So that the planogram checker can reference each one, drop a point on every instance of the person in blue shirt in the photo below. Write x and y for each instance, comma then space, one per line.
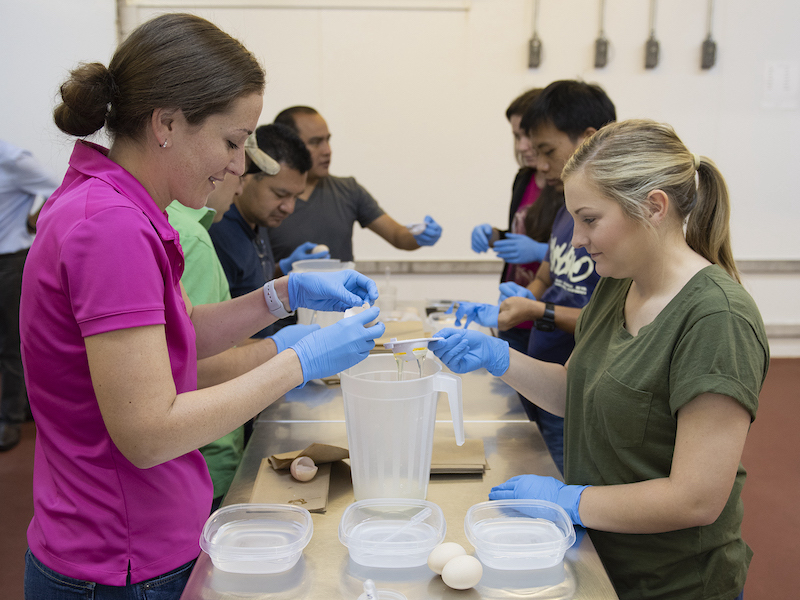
561, 117
22, 181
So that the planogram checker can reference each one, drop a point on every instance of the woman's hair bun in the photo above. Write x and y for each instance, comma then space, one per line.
85, 97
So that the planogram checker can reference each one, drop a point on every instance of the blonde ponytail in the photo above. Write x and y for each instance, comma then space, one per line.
708, 228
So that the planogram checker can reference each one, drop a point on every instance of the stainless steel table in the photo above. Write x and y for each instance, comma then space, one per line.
325, 571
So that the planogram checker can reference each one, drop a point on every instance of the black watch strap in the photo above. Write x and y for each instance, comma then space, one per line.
547, 322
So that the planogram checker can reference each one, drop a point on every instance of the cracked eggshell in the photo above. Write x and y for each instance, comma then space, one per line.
303, 468
320, 248
462, 572
440, 555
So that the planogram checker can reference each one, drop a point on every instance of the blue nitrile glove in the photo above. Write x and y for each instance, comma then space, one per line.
480, 237
339, 346
521, 487
519, 249
334, 291
432, 233
482, 314
510, 289
465, 350
290, 334
302, 252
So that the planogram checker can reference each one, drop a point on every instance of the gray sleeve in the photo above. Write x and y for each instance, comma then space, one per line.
366, 207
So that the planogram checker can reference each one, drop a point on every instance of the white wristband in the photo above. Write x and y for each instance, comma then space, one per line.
274, 303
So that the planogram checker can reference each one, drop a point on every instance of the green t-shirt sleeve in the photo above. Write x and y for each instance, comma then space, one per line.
203, 276
720, 354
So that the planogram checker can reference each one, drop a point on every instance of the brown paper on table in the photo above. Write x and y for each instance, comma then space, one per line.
449, 458
279, 487
319, 453
275, 484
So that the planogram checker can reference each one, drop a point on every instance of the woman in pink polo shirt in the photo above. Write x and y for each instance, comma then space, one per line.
111, 344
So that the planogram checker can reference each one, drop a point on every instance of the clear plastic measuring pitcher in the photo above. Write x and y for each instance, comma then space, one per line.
390, 425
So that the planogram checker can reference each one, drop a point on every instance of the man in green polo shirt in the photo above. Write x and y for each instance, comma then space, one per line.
205, 283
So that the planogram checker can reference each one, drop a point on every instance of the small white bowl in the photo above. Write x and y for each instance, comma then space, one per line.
256, 538
371, 531
516, 535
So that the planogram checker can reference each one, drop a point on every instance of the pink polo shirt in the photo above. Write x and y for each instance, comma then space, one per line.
104, 258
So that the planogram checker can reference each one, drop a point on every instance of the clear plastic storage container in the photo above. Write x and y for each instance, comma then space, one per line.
392, 532
519, 534
257, 538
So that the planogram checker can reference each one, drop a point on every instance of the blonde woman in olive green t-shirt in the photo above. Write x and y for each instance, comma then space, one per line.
662, 386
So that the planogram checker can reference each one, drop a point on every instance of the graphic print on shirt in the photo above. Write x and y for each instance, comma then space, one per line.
568, 270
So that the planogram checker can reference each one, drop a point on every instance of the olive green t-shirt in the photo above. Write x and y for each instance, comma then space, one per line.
623, 396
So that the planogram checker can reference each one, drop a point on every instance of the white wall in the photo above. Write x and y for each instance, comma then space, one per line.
416, 99
40, 42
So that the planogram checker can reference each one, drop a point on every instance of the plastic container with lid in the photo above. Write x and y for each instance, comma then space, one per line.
256, 538
392, 532
519, 534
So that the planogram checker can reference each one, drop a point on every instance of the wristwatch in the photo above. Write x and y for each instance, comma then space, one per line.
274, 303
547, 322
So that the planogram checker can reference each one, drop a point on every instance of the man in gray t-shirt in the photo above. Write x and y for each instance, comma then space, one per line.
329, 206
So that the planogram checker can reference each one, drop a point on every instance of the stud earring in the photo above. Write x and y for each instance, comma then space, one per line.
164, 145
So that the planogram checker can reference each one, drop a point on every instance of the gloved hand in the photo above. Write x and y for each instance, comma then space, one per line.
432, 233
509, 289
332, 291
302, 252
519, 249
482, 314
339, 346
465, 350
480, 237
290, 334
520, 487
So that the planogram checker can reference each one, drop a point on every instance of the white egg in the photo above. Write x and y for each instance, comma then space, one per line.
440, 555
320, 248
462, 572
303, 468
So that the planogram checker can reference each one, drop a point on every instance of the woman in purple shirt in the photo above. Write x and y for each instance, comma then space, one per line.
111, 343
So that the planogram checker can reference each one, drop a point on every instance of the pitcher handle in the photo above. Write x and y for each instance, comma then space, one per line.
451, 385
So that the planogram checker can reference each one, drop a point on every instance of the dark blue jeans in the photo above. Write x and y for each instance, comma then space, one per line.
42, 583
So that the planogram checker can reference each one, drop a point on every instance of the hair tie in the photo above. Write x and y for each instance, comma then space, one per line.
696, 159
113, 91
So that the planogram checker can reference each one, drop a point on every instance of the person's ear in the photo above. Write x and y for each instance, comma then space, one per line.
161, 124
657, 205
587, 133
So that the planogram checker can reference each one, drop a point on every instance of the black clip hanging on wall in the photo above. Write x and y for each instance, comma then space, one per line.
651, 48
708, 52
535, 44
601, 43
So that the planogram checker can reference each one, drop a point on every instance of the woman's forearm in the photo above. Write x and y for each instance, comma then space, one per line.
234, 362
222, 326
544, 384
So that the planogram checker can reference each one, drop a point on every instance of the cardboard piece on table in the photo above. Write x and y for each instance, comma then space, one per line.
449, 458
279, 487
319, 453
402, 330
